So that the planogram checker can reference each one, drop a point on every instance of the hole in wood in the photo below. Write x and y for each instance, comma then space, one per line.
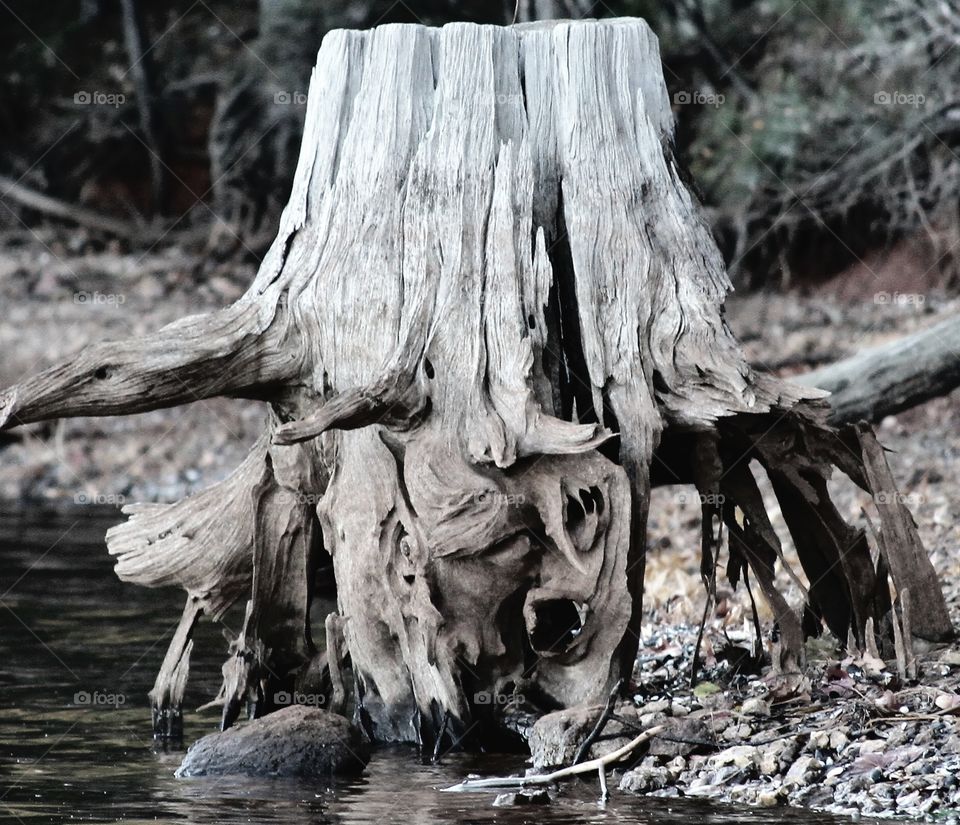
583, 511
576, 513
592, 500
557, 625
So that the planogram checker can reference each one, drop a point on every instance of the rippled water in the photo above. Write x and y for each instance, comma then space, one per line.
78, 653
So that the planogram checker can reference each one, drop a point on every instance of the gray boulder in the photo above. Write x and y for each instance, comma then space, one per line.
295, 741
555, 737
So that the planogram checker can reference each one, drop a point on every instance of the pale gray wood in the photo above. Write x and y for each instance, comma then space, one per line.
491, 304
166, 696
892, 377
899, 542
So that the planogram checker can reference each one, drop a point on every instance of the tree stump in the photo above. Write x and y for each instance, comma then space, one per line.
492, 317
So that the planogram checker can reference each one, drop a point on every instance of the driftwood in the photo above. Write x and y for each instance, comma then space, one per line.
491, 319
901, 549
600, 765
892, 377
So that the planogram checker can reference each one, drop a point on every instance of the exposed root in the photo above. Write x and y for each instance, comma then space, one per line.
243, 350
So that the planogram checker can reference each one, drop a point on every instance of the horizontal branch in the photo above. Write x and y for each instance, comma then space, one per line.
393, 399
892, 377
228, 352
39, 202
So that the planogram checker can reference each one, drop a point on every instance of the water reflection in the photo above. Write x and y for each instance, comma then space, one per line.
78, 653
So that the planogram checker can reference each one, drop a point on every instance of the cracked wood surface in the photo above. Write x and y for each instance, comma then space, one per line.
492, 309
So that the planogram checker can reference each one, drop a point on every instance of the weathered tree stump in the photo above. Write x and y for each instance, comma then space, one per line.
491, 319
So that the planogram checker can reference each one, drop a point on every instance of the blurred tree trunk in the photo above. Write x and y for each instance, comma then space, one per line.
256, 128
530, 10
142, 72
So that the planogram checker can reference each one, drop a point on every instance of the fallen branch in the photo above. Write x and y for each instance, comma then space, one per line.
892, 377
37, 201
599, 764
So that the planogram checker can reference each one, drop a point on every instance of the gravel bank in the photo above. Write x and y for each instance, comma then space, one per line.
848, 736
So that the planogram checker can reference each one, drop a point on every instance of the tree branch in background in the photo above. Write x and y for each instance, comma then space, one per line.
55, 208
892, 377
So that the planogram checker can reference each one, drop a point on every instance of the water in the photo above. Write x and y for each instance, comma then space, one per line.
78, 653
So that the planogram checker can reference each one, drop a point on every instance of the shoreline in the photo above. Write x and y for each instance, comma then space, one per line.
846, 737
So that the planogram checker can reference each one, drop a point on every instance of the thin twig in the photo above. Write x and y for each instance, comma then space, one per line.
562, 773
758, 631
601, 723
708, 573
905, 608
439, 740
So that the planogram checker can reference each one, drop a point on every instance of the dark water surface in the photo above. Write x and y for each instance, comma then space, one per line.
79, 651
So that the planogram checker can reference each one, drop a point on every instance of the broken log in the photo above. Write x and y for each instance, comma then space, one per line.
491, 320
899, 544
892, 377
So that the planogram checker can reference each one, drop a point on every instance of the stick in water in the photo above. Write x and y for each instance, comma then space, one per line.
597, 764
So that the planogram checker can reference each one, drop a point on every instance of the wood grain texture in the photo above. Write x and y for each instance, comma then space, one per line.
491, 308
892, 377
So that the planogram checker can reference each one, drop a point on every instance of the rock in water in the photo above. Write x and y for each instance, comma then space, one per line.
556, 737
531, 797
294, 741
